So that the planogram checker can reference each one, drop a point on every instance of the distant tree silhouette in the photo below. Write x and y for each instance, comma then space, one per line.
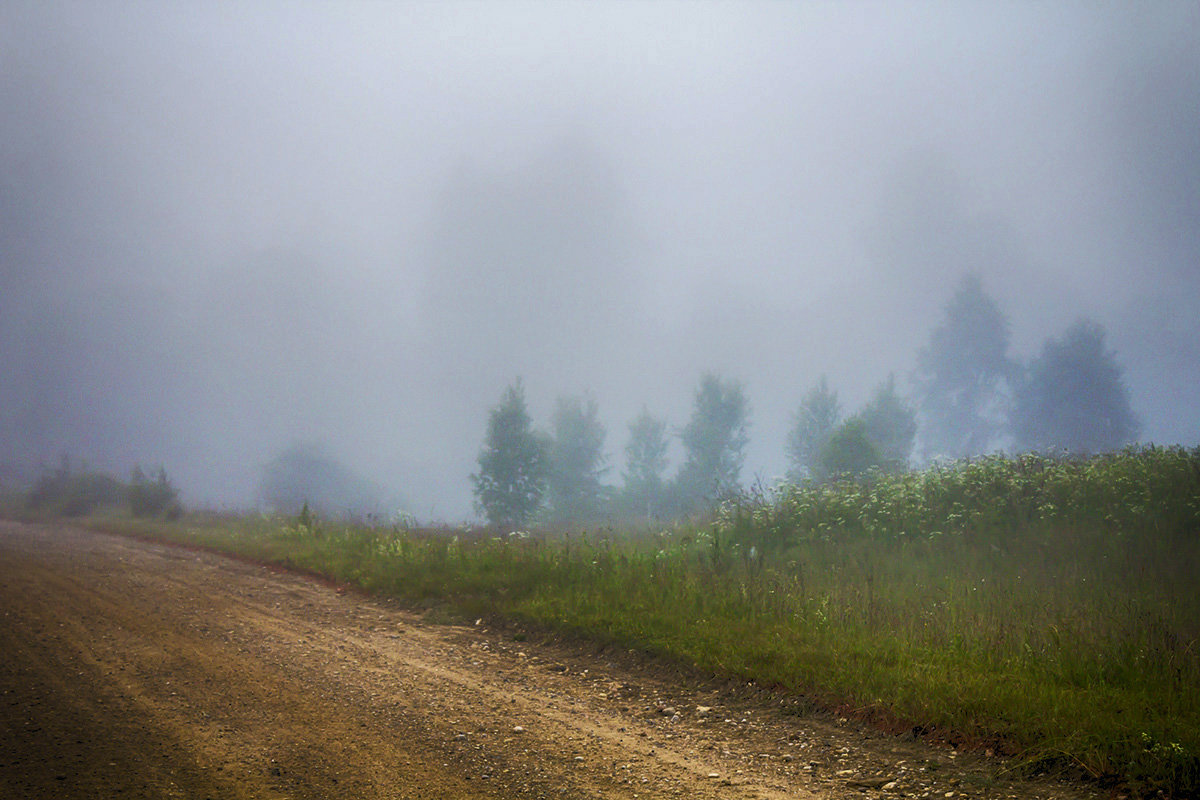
645, 488
815, 421
151, 496
880, 436
1073, 397
510, 486
714, 442
891, 425
964, 375
849, 451
577, 461
307, 473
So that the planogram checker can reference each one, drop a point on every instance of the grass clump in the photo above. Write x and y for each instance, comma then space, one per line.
1047, 608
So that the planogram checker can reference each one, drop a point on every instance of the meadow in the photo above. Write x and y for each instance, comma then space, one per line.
1045, 608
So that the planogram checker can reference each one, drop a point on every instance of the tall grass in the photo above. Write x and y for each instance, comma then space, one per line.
1047, 608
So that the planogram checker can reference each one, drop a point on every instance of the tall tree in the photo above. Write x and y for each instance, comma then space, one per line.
577, 460
645, 464
815, 422
714, 442
1074, 397
964, 375
891, 425
513, 464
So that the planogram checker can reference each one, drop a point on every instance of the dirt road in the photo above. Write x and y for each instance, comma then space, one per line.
132, 670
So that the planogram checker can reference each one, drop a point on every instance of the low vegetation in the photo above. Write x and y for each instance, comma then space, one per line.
1043, 608
77, 491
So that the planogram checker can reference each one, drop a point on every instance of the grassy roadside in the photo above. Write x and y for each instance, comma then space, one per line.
1043, 608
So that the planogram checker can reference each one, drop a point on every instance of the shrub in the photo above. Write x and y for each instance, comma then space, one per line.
74, 494
153, 497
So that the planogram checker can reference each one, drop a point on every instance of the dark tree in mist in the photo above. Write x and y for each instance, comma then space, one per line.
880, 436
714, 442
963, 376
513, 464
150, 496
1073, 397
890, 423
577, 460
645, 465
308, 474
815, 422
849, 451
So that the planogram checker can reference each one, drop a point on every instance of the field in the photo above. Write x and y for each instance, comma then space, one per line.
1041, 608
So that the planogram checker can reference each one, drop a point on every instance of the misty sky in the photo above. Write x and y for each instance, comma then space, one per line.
227, 227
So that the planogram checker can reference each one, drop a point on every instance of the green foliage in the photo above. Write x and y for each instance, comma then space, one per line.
510, 486
714, 442
153, 497
963, 376
880, 436
1150, 487
70, 492
1054, 598
890, 424
1074, 397
73, 493
850, 452
577, 461
644, 492
814, 424
306, 520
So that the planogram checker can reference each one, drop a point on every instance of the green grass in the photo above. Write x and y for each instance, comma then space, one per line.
1049, 609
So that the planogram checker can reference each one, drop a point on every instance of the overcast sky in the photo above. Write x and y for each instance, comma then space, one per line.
226, 227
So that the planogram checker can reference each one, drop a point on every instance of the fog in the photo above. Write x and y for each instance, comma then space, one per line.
229, 227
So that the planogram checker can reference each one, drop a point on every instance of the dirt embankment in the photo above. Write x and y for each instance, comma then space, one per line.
132, 670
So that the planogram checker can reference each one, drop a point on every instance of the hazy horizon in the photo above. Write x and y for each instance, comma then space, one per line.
228, 228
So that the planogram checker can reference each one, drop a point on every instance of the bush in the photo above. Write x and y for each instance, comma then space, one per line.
152, 498
1137, 489
74, 494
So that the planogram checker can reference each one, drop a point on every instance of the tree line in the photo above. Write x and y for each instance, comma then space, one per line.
526, 474
969, 397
